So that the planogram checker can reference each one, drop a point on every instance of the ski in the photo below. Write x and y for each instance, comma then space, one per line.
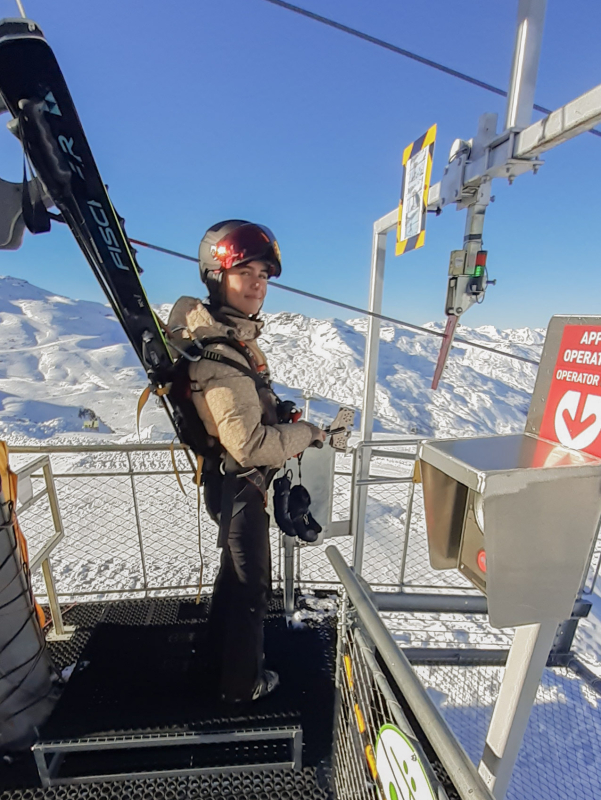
35, 92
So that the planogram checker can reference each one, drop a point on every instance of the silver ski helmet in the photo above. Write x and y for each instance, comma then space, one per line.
232, 243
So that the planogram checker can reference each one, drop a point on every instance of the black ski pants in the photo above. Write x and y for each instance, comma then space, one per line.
242, 589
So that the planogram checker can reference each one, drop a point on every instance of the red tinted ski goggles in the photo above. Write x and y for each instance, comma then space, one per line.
249, 243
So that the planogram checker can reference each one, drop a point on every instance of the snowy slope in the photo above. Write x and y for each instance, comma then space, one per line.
58, 356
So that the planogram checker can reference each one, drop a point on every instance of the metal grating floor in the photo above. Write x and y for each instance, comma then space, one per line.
309, 784
99, 624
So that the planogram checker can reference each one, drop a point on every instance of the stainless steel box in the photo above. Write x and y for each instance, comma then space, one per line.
517, 515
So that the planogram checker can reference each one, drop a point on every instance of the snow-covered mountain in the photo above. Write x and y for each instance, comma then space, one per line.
64, 362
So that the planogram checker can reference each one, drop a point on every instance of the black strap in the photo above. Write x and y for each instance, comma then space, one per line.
199, 348
208, 355
236, 344
35, 215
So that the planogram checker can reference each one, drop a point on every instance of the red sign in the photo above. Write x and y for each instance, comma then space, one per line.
573, 410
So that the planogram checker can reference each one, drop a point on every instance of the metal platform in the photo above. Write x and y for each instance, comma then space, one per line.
139, 712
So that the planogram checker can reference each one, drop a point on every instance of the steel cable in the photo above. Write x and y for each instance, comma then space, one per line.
357, 309
402, 52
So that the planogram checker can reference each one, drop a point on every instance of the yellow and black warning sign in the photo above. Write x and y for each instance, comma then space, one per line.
417, 170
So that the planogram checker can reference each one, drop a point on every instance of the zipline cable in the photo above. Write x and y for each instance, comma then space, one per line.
402, 52
349, 307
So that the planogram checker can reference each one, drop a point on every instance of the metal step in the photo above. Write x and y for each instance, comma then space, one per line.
167, 755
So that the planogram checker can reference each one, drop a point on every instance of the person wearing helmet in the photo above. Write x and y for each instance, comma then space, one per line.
232, 394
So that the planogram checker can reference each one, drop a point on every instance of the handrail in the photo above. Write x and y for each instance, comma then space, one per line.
96, 448
41, 559
455, 760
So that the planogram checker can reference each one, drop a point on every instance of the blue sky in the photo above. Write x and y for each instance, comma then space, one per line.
199, 111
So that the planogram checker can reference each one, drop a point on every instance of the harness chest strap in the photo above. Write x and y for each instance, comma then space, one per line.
208, 355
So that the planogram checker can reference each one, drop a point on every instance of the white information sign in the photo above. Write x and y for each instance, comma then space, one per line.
413, 196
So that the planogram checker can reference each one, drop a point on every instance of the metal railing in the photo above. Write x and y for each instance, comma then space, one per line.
129, 530
351, 780
42, 544
387, 521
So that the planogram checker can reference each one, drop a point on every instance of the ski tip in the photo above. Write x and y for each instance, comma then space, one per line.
12, 28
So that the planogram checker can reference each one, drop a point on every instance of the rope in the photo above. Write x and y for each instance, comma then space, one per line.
406, 53
349, 307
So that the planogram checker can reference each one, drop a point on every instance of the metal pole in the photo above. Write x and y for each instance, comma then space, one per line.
372, 343
53, 497
288, 576
430, 603
525, 665
307, 410
60, 632
138, 525
474, 224
407, 532
445, 603
370, 371
455, 760
559, 126
55, 610
524, 70
358, 506
21, 9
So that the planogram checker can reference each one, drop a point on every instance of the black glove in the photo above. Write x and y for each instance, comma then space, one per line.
281, 497
305, 526
291, 510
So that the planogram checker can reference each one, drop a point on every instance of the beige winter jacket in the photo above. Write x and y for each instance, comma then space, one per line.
226, 400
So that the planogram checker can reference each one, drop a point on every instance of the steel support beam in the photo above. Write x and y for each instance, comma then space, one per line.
372, 344
455, 656
382, 227
430, 603
447, 603
524, 69
559, 126
525, 665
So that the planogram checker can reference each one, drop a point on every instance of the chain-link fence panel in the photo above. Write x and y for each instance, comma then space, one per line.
385, 533
341, 507
396, 548
170, 533
376, 752
129, 527
314, 569
37, 519
101, 548
561, 752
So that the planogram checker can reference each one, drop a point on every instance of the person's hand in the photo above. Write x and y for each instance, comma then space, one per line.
318, 435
